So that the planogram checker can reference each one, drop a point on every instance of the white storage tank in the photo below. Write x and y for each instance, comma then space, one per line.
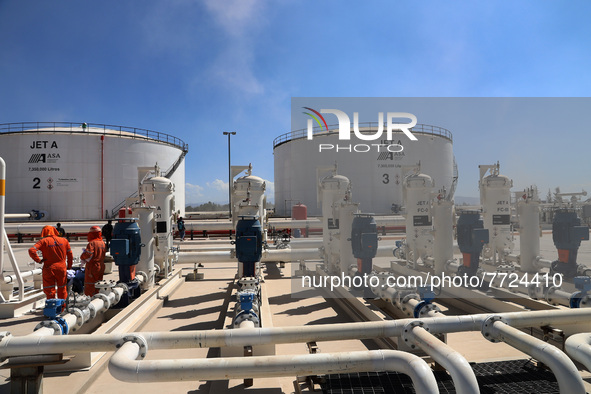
83, 171
375, 172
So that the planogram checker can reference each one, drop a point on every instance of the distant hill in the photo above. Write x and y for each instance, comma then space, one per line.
459, 200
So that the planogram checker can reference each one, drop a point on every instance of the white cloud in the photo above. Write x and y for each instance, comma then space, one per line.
236, 17
270, 190
233, 67
193, 193
218, 185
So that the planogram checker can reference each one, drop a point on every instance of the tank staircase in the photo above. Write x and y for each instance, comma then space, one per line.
169, 173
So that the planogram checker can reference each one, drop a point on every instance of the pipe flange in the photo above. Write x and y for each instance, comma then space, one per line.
407, 334
549, 294
411, 296
79, 318
143, 275
139, 340
532, 291
105, 299
104, 285
487, 328
123, 286
424, 308
92, 311
57, 328
244, 316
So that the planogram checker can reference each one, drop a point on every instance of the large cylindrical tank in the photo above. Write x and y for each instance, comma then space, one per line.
495, 198
159, 193
419, 225
376, 176
77, 171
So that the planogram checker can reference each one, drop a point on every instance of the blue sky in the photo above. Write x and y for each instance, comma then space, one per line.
194, 69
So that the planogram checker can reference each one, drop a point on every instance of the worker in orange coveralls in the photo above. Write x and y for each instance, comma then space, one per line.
94, 259
54, 250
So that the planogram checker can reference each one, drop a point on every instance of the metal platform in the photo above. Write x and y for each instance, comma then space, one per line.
511, 377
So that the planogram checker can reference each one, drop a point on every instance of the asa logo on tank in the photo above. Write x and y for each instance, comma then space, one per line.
44, 157
345, 131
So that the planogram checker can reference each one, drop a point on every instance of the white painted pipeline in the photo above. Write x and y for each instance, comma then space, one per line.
291, 255
565, 371
281, 224
268, 255
26, 345
542, 263
246, 324
206, 257
458, 367
25, 274
123, 366
412, 303
578, 346
35, 228
2, 213
17, 215
97, 305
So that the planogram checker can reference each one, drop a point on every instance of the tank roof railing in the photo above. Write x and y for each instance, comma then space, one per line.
366, 126
97, 128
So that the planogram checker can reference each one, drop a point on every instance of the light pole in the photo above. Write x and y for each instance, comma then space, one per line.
229, 133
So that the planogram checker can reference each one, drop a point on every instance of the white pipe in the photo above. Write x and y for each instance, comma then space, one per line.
458, 367
246, 324
96, 306
268, 255
578, 346
18, 215
26, 274
291, 255
542, 263
25, 345
2, 213
566, 373
123, 366
206, 257
82, 227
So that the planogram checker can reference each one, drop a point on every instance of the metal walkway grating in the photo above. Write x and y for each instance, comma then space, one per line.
510, 377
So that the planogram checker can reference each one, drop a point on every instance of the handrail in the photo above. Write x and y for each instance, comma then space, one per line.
366, 126
85, 128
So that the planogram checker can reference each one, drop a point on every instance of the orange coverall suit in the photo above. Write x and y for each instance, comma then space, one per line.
55, 250
94, 255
